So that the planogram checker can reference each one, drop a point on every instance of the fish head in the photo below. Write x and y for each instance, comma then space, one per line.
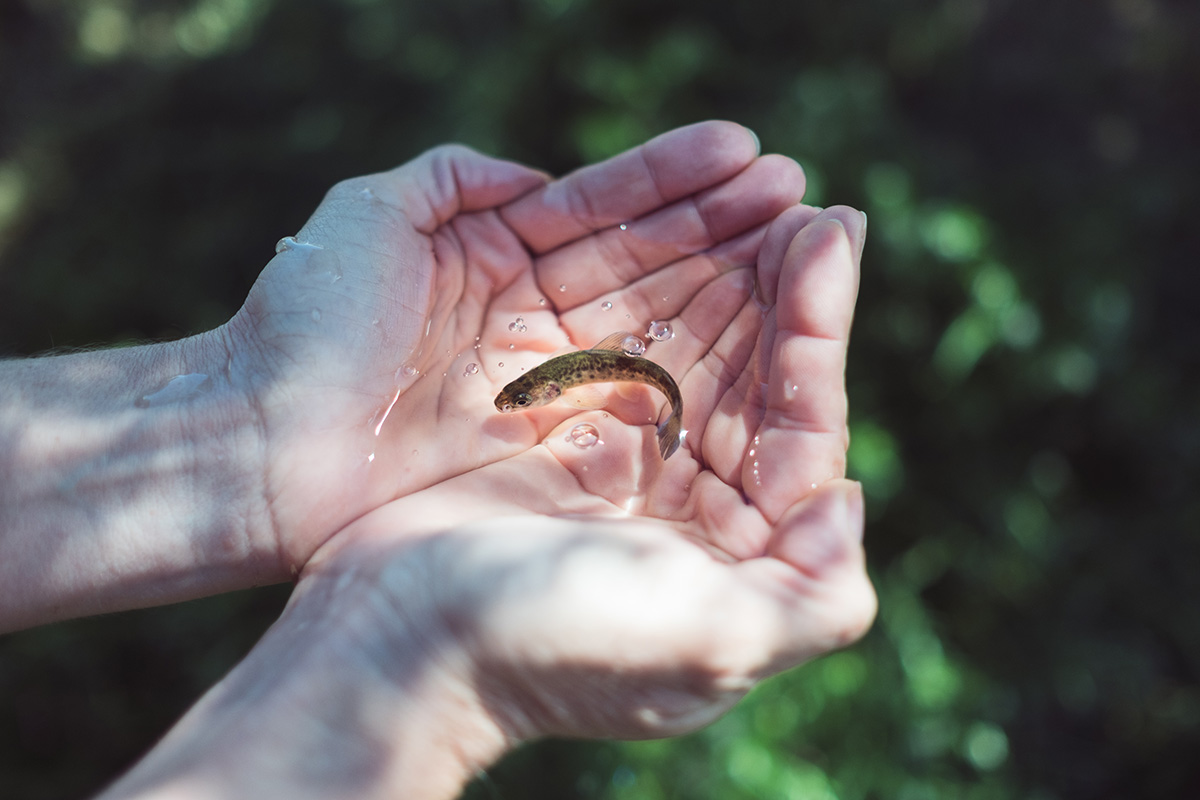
520, 395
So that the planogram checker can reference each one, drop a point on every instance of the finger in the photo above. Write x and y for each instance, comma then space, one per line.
778, 238
434, 187
813, 578
802, 441
664, 294
630, 185
620, 256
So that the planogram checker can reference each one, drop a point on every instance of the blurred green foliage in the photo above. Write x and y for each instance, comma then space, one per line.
1024, 370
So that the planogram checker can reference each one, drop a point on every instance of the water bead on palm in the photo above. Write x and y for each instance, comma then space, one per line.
584, 435
660, 330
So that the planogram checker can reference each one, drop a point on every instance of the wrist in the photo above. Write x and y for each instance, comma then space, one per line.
348, 695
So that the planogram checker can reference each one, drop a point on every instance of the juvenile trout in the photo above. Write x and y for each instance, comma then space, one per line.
603, 363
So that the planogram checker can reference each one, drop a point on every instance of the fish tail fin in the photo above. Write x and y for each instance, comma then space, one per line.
668, 435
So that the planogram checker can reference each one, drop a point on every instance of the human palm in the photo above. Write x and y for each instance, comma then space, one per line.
357, 353
758, 351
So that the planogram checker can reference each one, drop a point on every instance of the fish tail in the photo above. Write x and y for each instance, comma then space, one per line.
668, 434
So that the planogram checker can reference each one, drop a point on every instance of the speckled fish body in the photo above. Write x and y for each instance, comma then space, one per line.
603, 364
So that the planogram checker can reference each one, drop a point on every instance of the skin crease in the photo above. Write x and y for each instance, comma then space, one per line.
467, 580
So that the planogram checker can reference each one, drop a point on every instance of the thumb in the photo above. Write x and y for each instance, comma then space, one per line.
821, 535
814, 568
452, 179
426, 192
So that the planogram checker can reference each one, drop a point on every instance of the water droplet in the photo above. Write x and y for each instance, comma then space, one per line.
666, 297
512, 346
606, 306
562, 287
471, 369
367, 194
370, 458
660, 330
316, 315
408, 370
517, 325
388, 411
633, 346
500, 363
292, 243
584, 435
541, 301
623, 226
181, 387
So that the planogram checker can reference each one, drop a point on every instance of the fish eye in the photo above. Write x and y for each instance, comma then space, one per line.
522, 399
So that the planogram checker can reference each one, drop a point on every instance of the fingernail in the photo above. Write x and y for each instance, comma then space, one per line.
840, 224
855, 507
757, 142
760, 298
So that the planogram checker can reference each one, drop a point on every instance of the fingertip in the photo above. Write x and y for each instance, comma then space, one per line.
720, 134
853, 222
757, 141
780, 233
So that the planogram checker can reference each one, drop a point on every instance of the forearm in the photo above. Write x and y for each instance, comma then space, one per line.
112, 497
330, 704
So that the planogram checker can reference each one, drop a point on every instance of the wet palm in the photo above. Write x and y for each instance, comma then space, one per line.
423, 270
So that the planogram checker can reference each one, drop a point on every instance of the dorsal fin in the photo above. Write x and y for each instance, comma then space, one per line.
614, 341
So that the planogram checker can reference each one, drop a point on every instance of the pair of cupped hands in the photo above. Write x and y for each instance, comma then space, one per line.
597, 591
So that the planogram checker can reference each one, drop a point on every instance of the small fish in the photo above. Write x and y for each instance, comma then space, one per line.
603, 363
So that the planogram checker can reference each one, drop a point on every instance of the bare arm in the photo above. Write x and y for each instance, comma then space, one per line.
109, 501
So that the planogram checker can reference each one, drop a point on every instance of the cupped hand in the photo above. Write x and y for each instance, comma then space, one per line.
598, 591
597, 628
373, 343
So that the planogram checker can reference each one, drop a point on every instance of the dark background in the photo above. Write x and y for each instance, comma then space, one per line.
1023, 379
